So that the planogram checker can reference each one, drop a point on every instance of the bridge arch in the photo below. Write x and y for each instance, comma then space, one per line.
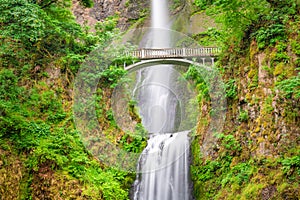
168, 61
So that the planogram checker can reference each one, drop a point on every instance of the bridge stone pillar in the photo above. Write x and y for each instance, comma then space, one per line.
143, 53
212, 61
203, 61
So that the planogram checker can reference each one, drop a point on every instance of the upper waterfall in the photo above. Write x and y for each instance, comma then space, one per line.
157, 101
159, 23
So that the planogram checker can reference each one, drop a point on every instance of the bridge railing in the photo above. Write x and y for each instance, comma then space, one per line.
174, 52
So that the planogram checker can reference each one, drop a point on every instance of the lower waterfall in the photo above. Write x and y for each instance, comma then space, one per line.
165, 166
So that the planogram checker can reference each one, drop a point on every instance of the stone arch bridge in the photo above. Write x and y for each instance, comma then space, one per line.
179, 56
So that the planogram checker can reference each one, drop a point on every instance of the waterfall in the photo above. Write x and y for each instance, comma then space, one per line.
163, 168
164, 164
157, 111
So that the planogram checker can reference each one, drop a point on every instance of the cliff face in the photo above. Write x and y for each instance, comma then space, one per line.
131, 11
128, 11
272, 124
256, 156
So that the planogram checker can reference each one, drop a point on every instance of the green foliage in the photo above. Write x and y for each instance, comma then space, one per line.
230, 144
34, 122
272, 29
133, 143
244, 116
231, 89
235, 15
106, 28
31, 24
291, 165
110, 117
286, 7
207, 171
296, 47
111, 76
265, 20
272, 26
22, 21
29, 136
267, 106
210, 37
270, 35
140, 130
194, 74
11, 114
230, 177
106, 182
290, 87
203, 4
210, 176
238, 174
62, 150
9, 89
35, 34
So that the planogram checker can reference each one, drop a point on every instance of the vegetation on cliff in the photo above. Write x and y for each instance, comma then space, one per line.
42, 155
257, 155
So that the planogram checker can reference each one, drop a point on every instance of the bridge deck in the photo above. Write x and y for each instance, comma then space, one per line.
174, 53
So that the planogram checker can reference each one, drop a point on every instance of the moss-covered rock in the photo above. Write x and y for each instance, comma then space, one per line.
262, 120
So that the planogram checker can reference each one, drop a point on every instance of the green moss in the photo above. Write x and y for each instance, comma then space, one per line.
252, 73
252, 191
248, 97
279, 69
253, 78
267, 106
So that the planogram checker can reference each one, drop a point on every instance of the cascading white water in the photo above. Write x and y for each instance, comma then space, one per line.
164, 164
157, 111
